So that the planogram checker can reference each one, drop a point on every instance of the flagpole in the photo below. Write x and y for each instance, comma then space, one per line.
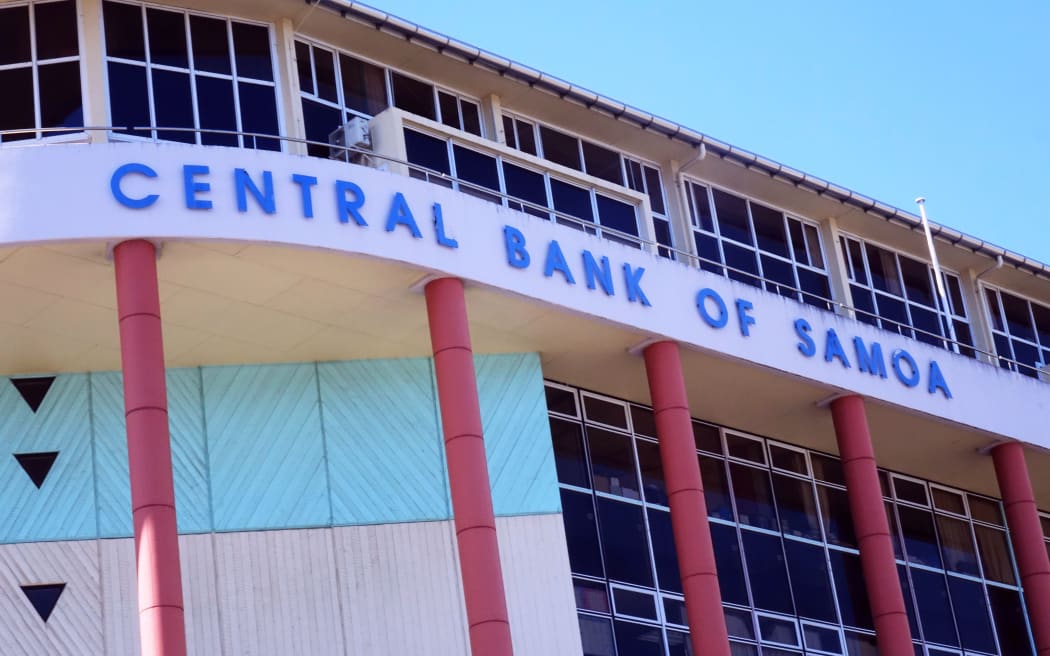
938, 276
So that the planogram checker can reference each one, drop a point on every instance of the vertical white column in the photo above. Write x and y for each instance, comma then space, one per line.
93, 68
836, 263
292, 124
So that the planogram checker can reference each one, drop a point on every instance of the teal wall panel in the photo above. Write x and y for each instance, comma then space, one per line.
63, 508
188, 453
265, 447
517, 434
385, 452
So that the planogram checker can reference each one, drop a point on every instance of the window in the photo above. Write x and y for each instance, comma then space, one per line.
758, 245
444, 162
1021, 330
789, 570
198, 78
898, 293
39, 70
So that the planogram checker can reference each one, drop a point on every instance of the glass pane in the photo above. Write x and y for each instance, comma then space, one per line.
427, 151
767, 572
124, 36
1010, 621
858, 273
642, 421
1042, 323
708, 253
216, 111
591, 595
638, 640
702, 208
508, 132
654, 188
716, 488
822, 638
909, 599
581, 533
859, 644
816, 256
413, 96
745, 448
957, 548
560, 400
573, 201
211, 46
810, 582
324, 67
742, 264
838, 521
789, 459
174, 105
850, 589
637, 604
624, 543
908, 490
971, 615
251, 47
732, 216
753, 495
305, 68
815, 287
597, 636
602, 162
674, 611
707, 437
678, 644
605, 412
618, 215
664, 550
364, 86
985, 510
919, 537
935, 613
449, 109
167, 38
320, 120
560, 148
994, 551
526, 137
796, 506
60, 37
917, 281
476, 168
526, 185
739, 623
827, 469
1018, 322
471, 117
17, 112
883, 267
948, 500
652, 472
612, 463
780, 276
60, 104
569, 458
769, 229
128, 97
775, 629
258, 114
730, 570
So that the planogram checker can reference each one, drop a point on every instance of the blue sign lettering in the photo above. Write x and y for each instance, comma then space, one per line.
118, 193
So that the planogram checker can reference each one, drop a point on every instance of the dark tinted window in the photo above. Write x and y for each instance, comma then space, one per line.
664, 550
251, 45
810, 582
128, 83
850, 589
211, 46
569, 459
727, 559
413, 96
602, 162
174, 104
60, 104
732, 216
935, 612
426, 151
124, 37
767, 572
258, 115
624, 543
216, 109
59, 39
581, 533
16, 112
167, 38
364, 86
560, 148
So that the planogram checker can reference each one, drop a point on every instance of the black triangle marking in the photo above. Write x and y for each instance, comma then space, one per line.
43, 597
37, 465
33, 390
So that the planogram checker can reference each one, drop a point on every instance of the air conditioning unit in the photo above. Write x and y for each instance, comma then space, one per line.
353, 134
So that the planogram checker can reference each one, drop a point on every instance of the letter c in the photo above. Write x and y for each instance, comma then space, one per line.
124, 199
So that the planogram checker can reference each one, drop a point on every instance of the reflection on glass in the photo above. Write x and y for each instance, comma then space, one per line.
754, 498
935, 612
767, 572
920, 539
612, 463
796, 506
624, 542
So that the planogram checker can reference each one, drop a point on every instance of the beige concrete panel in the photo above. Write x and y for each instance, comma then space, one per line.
224, 275
75, 625
278, 593
61, 275
538, 580
400, 589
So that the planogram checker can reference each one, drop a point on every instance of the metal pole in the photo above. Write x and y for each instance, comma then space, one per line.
938, 276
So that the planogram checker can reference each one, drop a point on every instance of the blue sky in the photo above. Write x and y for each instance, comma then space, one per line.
893, 99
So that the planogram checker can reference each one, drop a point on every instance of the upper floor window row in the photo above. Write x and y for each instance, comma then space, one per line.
593, 159
898, 293
39, 69
208, 78
530, 191
758, 245
335, 87
1021, 331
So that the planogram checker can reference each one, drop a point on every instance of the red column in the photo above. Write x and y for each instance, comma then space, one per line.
468, 473
692, 536
1026, 533
872, 527
161, 624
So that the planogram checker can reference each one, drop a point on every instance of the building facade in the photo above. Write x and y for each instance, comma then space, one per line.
324, 333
